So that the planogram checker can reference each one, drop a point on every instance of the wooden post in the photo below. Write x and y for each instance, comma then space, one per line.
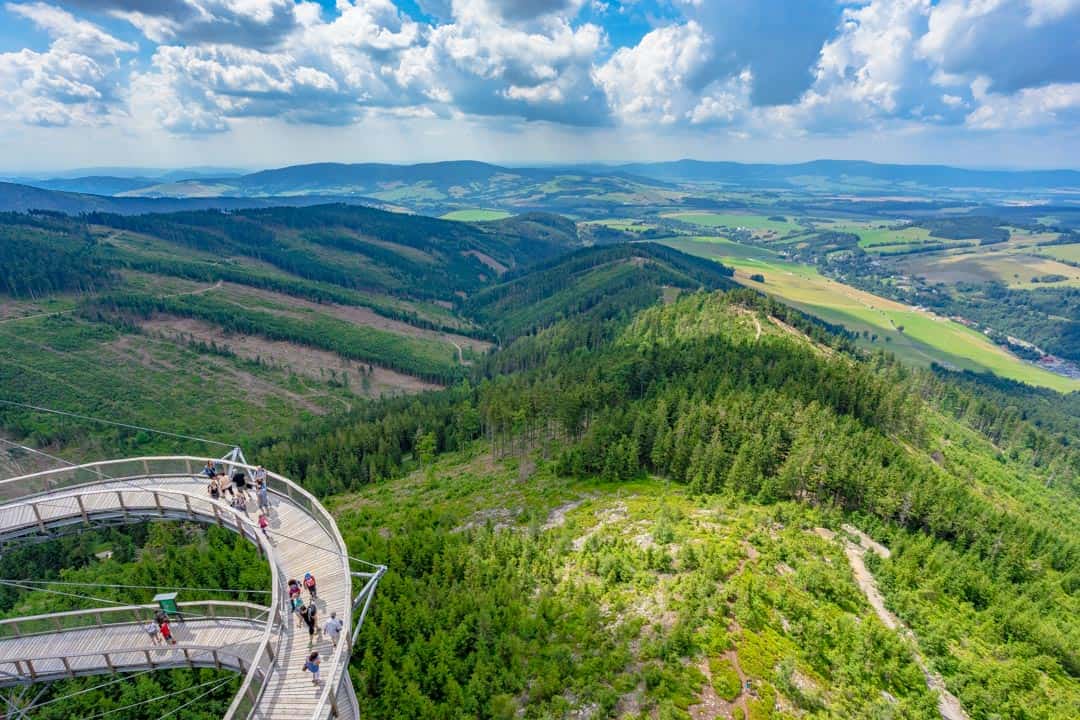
217, 661
30, 667
149, 660
217, 515
157, 502
37, 514
82, 510
108, 661
187, 503
187, 656
120, 499
67, 666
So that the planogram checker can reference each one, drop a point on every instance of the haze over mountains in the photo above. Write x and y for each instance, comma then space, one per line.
442, 186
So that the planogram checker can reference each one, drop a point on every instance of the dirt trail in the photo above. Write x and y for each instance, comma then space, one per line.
948, 705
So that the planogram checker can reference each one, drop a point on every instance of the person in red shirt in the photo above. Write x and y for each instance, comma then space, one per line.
166, 632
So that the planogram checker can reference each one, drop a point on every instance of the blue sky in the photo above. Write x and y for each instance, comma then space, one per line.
260, 83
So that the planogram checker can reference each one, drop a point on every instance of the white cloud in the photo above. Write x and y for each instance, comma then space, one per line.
656, 81
75, 81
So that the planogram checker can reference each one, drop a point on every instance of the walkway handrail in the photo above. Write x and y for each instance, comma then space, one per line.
186, 654
49, 481
136, 614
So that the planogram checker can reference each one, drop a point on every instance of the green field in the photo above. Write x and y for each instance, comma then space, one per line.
476, 215
719, 247
757, 223
1069, 253
925, 338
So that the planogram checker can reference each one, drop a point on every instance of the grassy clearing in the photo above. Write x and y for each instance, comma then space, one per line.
476, 215
757, 223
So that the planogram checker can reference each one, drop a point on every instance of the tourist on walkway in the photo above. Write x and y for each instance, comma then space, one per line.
312, 666
151, 629
298, 608
333, 628
166, 632
309, 618
263, 493
309, 583
264, 524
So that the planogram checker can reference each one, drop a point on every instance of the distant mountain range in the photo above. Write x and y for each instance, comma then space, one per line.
435, 188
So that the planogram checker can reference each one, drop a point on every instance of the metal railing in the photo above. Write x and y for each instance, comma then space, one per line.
126, 659
126, 615
27, 488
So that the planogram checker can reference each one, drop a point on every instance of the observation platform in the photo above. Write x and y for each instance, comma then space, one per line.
262, 643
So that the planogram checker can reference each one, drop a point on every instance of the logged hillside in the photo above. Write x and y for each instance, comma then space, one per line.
278, 315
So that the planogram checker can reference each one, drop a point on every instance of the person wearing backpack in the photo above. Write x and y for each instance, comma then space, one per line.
312, 666
309, 614
309, 583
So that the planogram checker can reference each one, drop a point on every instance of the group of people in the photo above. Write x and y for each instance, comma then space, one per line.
159, 630
236, 490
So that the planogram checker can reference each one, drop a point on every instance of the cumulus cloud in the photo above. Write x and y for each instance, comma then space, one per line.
778, 41
758, 66
657, 80
253, 23
1015, 44
74, 81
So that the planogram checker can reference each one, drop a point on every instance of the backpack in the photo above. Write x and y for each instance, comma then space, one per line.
309, 581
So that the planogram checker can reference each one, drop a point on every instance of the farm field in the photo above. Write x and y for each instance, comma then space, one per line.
1071, 253
1015, 269
476, 215
756, 223
719, 247
925, 338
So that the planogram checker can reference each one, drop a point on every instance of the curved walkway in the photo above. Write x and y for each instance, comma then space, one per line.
92, 642
303, 538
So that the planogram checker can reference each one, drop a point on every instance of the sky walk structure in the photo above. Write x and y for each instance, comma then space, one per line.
264, 644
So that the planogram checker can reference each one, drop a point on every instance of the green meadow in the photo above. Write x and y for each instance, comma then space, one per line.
476, 215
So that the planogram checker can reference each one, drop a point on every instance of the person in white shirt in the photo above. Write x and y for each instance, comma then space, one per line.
333, 628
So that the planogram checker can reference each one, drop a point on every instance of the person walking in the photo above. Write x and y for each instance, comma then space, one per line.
151, 629
166, 633
333, 628
264, 524
309, 583
298, 608
263, 494
309, 614
312, 666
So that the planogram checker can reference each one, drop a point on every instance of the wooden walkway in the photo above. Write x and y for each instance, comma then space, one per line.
302, 538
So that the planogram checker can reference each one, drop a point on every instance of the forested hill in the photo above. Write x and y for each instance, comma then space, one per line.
741, 403
323, 247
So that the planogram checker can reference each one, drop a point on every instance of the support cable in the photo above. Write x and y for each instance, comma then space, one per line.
65, 413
